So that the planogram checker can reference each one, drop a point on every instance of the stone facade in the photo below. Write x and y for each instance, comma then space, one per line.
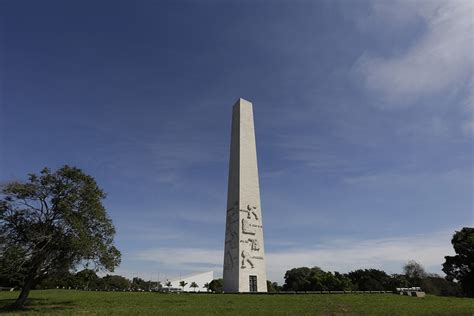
244, 256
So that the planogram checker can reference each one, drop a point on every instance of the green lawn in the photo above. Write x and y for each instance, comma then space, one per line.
114, 303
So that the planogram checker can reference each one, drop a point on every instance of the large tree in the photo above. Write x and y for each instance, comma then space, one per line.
54, 222
461, 266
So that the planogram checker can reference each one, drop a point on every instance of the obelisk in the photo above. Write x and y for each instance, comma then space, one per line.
244, 256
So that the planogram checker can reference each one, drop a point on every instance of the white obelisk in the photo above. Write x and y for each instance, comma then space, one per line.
244, 256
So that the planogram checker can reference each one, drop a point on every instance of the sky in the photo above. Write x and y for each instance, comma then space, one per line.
364, 118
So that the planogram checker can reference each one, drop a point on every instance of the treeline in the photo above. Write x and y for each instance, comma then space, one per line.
316, 279
87, 280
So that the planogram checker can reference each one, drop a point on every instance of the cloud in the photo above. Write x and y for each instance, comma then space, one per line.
344, 255
341, 255
439, 61
468, 124
182, 258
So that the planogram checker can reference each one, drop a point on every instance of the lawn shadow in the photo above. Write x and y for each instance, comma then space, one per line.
41, 305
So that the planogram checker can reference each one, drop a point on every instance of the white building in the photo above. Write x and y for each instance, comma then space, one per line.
200, 279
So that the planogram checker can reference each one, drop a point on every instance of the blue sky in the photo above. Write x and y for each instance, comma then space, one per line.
363, 113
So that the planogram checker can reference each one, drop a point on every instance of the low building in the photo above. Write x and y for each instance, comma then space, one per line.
199, 278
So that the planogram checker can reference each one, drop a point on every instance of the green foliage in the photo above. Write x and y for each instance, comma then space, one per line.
115, 282
216, 285
370, 280
142, 285
297, 279
12, 268
315, 279
434, 284
56, 221
58, 280
461, 266
183, 284
87, 279
273, 287
397, 281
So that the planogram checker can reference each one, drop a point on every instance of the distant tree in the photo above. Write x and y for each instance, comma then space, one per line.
168, 284
154, 285
414, 272
206, 286
460, 267
327, 281
436, 285
337, 282
297, 279
194, 285
396, 281
56, 221
273, 287
87, 278
370, 280
315, 279
139, 284
116, 282
182, 284
12, 272
59, 279
216, 285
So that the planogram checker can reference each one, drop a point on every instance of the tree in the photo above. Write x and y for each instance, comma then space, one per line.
154, 285
315, 279
194, 285
182, 284
297, 279
461, 266
168, 284
87, 278
397, 281
414, 272
139, 284
216, 285
115, 282
370, 280
273, 287
55, 221
206, 286
435, 284
11, 271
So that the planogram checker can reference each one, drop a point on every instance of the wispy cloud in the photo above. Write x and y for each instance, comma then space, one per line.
164, 154
341, 255
468, 125
439, 61
182, 258
345, 255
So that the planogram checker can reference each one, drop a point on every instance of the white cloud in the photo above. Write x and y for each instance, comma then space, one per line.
388, 254
468, 125
344, 255
184, 258
439, 61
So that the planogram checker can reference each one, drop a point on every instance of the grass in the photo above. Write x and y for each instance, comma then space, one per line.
70, 302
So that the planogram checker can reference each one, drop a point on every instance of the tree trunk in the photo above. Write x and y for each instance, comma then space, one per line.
25, 291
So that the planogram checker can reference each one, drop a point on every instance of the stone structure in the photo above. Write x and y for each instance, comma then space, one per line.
244, 256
